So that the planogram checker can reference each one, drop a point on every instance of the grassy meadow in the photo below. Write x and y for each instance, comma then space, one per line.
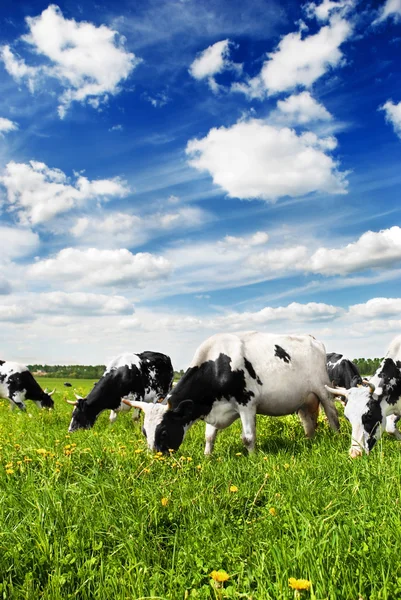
93, 515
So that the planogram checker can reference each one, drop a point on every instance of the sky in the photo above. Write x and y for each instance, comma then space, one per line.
170, 169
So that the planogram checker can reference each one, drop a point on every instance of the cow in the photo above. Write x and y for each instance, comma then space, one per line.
239, 375
146, 376
17, 385
342, 372
376, 406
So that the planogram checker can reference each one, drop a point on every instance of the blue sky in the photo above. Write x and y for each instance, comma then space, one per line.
173, 169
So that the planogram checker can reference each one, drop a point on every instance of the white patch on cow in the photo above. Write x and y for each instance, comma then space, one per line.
9, 368
124, 360
356, 407
223, 413
153, 416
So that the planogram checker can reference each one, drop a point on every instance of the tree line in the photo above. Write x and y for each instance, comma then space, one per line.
76, 371
366, 366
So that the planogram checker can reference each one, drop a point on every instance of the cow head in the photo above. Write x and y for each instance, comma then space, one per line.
46, 400
364, 412
164, 427
81, 418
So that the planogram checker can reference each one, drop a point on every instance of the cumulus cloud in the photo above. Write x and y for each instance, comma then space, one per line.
89, 62
38, 193
17, 242
102, 268
255, 160
376, 308
123, 229
391, 8
324, 10
14, 313
255, 239
299, 61
6, 126
212, 61
280, 259
300, 109
81, 303
393, 114
5, 286
371, 250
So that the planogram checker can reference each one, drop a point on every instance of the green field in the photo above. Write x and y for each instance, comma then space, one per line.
93, 515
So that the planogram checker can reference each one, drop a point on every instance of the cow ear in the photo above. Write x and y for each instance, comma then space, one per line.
184, 410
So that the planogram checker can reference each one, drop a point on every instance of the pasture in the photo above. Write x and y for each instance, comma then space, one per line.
93, 515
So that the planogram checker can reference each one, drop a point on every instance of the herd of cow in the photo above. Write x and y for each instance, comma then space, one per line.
233, 376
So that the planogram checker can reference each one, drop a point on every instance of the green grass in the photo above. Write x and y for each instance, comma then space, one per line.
82, 514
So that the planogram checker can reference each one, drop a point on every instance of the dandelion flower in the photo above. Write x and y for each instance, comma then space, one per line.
41, 451
273, 512
9, 471
164, 501
199, 467
220, 576
233, 488
299, 584
238, 454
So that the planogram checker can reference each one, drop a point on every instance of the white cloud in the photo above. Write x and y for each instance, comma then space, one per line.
302, 108
17, 242
256, 239
81, 303
312, 311
254, 160
5, 286
119, 229
299, 62
393, 114
377, 308
6, 126
280, 259
94, 267
327, 8
89, 62
14, 313
212, 61
371, 250
39, 193
391, 8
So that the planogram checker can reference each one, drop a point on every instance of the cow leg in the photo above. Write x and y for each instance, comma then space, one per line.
308, 414
136, 414
248, 422
330, 409
210, 438
113, 416
18, 400
391, 426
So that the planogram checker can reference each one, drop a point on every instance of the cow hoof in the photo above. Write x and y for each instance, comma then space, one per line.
355, 452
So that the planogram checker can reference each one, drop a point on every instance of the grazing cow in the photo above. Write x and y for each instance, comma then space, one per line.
67, 384
342, 372
238, 376
376, 406
146, 376
17, 385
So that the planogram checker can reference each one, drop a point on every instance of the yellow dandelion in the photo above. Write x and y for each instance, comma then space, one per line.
199, 467
41, 451
273, 512
138, 451
299, 584
220, 576
238, 454
9, 471
27, 460
189, 458
9, 465
57, 471
146, 471
159, 453
164, 501
171, 450
286, 466
19, 462
233, 488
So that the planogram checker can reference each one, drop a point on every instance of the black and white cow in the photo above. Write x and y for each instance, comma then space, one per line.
17, 385
377, 406
146, 376
342, 372
238, 376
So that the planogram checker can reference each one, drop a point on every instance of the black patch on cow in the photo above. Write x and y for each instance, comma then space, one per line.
342, 372
18, 382
390, 380
204, 385
2, 362
251, 371
281, 353
154, 374
373, 417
